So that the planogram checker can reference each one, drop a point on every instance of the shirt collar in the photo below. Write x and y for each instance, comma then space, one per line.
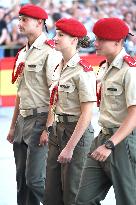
118, 60
38, 43
73, 61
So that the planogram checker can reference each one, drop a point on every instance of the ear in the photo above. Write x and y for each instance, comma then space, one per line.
40, 21
75, 40
117, 42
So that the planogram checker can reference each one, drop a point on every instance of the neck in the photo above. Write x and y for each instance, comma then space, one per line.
33, 37
68, 54
111, 57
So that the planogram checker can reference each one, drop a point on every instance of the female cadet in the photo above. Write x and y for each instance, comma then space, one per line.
72, 97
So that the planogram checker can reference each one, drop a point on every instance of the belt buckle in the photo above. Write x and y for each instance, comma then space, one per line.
29, 112
105, 131
56, 118
61, 118
26, 113
23, 113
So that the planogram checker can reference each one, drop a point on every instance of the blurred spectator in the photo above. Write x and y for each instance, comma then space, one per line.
4, 36
16, 39
55, 17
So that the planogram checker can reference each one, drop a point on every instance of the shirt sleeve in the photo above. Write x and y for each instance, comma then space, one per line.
130, 86
87, 86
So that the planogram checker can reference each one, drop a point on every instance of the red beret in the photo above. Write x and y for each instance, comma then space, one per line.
33, 11
111, 29
72, 27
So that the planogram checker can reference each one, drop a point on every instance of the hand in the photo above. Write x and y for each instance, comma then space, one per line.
10, 136
43, 138
65, 155
101, 153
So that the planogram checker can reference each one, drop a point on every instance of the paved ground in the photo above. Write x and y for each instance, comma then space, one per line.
7, 167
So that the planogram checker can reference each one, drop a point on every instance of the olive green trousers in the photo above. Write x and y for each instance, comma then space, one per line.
118, 170
62, 180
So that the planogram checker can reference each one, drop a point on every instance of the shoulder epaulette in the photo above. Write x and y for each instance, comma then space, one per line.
86, 66
50, 42
102, 62
130, 60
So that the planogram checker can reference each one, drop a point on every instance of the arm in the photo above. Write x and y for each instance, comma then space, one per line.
50, 118
82, 124
45, 133
10, 136
127, 126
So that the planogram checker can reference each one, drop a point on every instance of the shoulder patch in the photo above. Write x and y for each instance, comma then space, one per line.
50, 42
86, 66
102, 62
130, 61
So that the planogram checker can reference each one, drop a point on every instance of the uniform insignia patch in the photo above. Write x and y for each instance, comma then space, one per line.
51, 43
86, 66
130, 61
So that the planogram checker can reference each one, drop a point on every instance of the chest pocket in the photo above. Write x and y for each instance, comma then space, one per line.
114, 96
66, 93
34, 73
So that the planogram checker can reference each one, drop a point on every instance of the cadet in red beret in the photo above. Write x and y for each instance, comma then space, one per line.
28, 132
73, 93
112, 157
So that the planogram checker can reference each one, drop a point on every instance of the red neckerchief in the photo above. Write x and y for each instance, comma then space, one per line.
98, 94
54, 93
19, 69
54, 96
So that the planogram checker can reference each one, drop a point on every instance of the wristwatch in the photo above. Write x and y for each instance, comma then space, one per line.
109, 145
48, 129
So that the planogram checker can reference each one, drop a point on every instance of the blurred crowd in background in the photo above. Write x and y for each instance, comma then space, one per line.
87, 11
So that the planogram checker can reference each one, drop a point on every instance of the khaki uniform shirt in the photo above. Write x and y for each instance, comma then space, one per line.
33, 86
74, 87
118, 92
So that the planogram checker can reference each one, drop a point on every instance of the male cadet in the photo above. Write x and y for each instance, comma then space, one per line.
28, 130
112, 158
